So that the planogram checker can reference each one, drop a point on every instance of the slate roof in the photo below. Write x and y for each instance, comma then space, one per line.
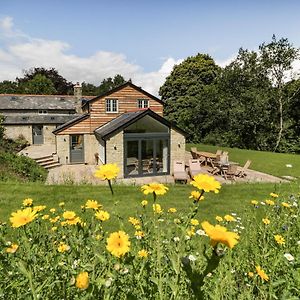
37, 119
71, 122
57, 102
107, 130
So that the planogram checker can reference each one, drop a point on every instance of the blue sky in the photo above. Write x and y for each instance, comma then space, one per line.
90, 40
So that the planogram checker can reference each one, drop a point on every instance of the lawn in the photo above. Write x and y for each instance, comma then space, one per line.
267, 162
232, 198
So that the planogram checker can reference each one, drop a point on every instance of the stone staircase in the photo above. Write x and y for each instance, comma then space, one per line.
48, 162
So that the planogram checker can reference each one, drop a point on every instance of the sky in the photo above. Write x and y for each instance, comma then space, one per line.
91, 40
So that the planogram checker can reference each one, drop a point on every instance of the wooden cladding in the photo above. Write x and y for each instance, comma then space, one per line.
127, 102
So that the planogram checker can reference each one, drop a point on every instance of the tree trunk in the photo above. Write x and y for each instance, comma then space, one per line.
280, 121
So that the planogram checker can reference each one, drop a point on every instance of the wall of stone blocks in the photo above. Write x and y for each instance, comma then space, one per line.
14, 131
115, 152
63, 148
177, 147
91, 146
49, 137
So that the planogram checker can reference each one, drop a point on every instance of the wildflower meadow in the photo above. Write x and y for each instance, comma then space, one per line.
157, 253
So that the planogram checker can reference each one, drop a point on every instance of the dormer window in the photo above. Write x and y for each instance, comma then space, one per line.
143, 103
43, 112
111, 105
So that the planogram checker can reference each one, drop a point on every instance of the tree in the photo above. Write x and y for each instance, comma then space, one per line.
277, 58
183, 90
38, 85
8, 87
110, 83
88, 89
61, 85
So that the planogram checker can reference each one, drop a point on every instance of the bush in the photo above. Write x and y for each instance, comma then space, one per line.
22, 168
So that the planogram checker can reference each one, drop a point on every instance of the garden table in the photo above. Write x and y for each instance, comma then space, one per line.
209, 157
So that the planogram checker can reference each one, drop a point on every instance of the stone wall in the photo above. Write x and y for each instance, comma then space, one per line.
91, 146
115, 152
63, 148
14, 131
177, 147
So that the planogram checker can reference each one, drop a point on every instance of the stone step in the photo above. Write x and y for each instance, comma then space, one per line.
43, 158
51, 165
47, 162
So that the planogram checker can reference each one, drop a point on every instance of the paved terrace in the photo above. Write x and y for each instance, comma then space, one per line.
78, 174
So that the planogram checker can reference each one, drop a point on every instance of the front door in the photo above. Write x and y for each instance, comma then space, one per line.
76, 149
37, 134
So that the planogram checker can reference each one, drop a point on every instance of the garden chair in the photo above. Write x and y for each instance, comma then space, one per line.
242, 173
195, 167
179, 172
219, 152
231, 172
194, 152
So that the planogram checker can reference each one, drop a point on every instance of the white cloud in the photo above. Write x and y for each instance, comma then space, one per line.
21, 52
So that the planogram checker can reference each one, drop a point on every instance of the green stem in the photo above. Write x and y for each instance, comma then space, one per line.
110, 186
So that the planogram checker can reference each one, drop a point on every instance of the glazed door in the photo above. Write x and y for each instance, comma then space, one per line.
76, 149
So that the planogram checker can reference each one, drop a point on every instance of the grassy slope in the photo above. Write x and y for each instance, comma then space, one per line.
233, 198
268, 162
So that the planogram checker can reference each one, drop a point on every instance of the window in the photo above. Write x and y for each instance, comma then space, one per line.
111, 105
42, 112
143, 103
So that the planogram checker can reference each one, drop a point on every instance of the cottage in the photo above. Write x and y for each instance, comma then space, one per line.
124, 126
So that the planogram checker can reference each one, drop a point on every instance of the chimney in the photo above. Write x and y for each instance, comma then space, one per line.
78, 96
77, 91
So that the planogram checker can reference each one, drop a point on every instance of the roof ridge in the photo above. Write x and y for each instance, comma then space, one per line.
44, 95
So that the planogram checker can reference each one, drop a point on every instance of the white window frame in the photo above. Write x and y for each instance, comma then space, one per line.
143, 103
111, 106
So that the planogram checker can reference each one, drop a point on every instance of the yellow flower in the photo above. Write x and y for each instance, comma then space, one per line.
143, 253
68, 215
27, 202
134, 221
39, 207
118, 243
74, 221
137, 227
262, 273
177, 221
155, 188
196, 195
102, 215
172, 210
270, 202
191, 232
266, 221
206, 183
157, 208
139, 234
93, 204
194, 222
144, 203
22, 217
229, 218
254, 202
279, 239
61, 204
107, 172
63, 247
52, 210
219, 234
250, 274
45, 217
54, 220
12, 249
54, 228
219, 219
284, 204
82, 280
274, 195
